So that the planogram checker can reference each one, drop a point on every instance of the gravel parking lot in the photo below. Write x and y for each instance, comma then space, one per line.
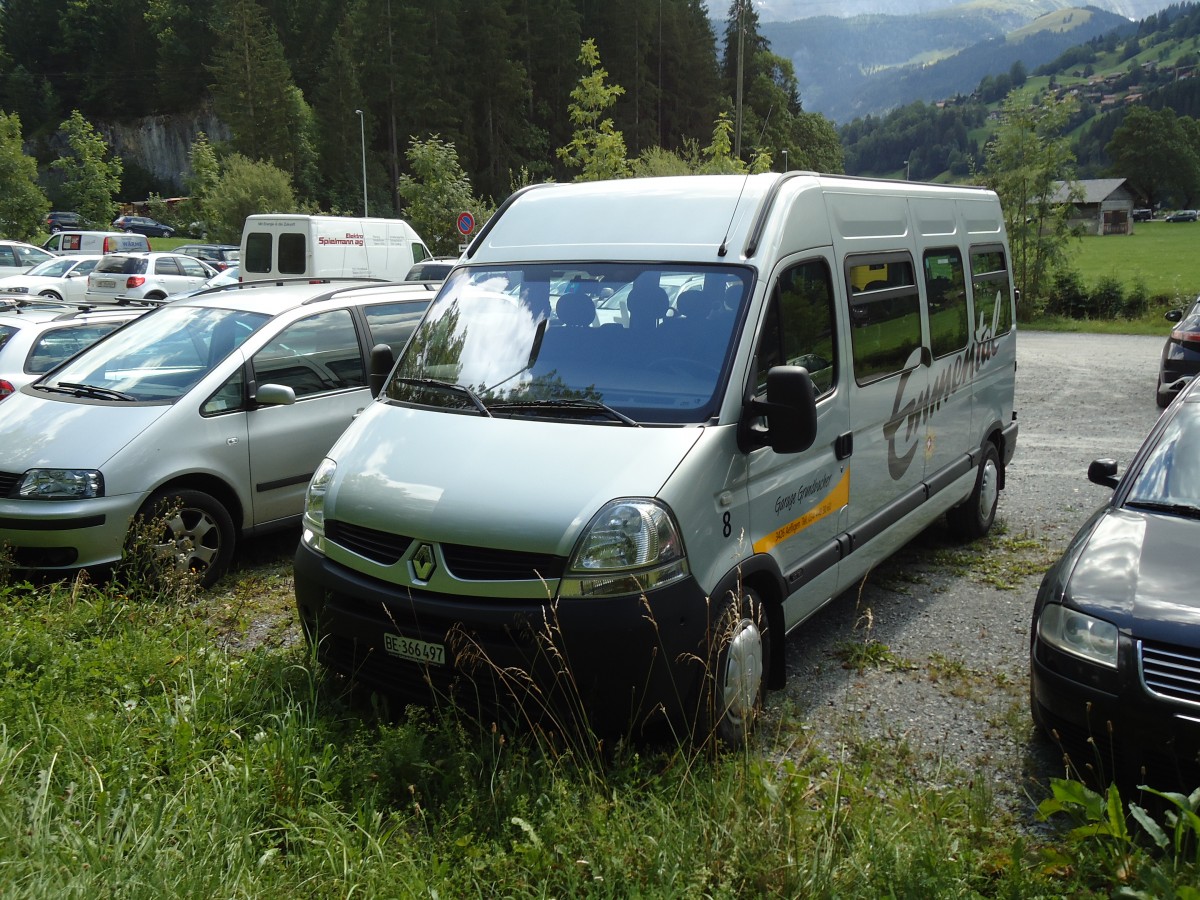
940, 633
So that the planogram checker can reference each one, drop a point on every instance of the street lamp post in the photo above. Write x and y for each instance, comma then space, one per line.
362, 130
784, 152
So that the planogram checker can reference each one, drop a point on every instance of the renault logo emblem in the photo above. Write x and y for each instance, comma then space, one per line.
423, 562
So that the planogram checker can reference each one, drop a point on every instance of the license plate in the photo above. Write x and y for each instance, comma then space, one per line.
417, 651
105, 282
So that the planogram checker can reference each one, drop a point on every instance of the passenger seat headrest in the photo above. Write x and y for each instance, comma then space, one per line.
648, 303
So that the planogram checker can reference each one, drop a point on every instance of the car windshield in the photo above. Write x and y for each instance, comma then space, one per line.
1171, 474
551, 341
53, 268
160, 355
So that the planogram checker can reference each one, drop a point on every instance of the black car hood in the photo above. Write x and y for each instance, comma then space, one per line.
1138, 570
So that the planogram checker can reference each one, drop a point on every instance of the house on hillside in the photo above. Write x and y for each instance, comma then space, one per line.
1105, 207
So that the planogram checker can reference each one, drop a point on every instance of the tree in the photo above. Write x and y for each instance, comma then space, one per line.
90, 182
1151, 149
246, 186
1026, 163
23, 205
436, 192
254, 92
597, 148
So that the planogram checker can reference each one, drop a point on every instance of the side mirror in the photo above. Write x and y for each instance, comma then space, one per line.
1103, 472
1173, 315
274, 395
382, 361
790, 410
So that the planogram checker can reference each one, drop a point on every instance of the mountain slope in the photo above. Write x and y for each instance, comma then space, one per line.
865, 65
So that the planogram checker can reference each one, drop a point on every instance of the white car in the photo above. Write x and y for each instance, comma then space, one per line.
17, 257
58, 278
37, 335
222, 405
128, 277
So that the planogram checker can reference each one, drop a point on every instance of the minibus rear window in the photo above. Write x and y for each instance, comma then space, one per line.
292, 253
258, 252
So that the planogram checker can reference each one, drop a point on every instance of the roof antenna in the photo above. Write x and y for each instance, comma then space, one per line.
724, 248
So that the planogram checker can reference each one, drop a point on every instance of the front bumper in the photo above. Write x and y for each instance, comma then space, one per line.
64, 535
1107, 721
627, 664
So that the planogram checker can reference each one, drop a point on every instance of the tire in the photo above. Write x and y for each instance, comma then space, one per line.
974, 516
198, 532
1161, 400
735, 678
51, 295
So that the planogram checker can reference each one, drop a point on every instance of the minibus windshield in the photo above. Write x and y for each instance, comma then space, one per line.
606, 342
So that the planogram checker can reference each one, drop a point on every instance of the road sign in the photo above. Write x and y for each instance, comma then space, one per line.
466, 223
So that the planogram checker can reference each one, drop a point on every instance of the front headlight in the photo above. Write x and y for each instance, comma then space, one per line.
312, 533
629, 547
1079, 634
61, 484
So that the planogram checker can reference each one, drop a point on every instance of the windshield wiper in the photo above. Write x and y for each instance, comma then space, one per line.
451, 388
594, 406
1179, 509
86, 390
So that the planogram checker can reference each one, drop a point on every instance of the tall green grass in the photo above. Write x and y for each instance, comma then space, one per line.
140, 759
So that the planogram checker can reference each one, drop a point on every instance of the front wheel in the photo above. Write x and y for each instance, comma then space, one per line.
194, 529
974, 516
51, 295
735, 680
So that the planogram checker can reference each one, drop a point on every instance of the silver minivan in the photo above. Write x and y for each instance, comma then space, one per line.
221, 405
649, 427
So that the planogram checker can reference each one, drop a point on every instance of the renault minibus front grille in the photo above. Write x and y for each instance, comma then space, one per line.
378, 546
488, 564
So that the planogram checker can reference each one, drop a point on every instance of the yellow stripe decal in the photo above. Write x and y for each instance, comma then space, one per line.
834, 501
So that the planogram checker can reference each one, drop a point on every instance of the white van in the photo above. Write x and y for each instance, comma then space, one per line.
291, 246
625, 514
66, 243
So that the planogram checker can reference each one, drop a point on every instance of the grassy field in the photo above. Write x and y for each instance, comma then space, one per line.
1162, 256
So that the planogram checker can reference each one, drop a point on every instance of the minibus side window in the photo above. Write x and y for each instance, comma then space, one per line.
991, 292
946, 289
258, 252
885, 314
799, 327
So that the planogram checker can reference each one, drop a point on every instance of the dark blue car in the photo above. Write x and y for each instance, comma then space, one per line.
1115, 640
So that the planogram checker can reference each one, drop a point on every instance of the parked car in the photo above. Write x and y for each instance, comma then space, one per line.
35, 336
227, 276
1180, 354
58, 278
435, 269
1183, 215
125, 277
1144, 214
219, 256
1115, 642
142, 225
57, 221
221, 405
17, 257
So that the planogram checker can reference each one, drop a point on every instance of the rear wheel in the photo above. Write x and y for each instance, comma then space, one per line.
1162, 400
735, 680
974, 516
196, 532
